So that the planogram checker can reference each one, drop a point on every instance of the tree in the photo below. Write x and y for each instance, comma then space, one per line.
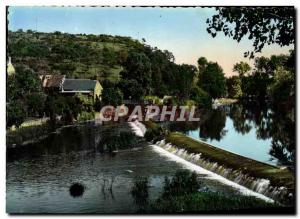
202, 63
234, 87
201, 98
138, 67
242, 68
112, 96
15, 113
27, 80
109, 56
213, 80
131, 89
262, 25
283, 89
24, 96
35, 103
184, 80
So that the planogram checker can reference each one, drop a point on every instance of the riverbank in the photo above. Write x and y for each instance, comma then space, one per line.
274, 181
32, 134
208, 202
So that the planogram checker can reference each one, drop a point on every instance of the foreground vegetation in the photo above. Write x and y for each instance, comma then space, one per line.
210, 202
182, 194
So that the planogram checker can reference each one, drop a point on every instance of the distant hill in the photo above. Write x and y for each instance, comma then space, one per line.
75, 55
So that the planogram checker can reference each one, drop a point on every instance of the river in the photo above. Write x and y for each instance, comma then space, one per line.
39, 176
252, 130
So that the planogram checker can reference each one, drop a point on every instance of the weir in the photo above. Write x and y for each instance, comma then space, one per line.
260, 185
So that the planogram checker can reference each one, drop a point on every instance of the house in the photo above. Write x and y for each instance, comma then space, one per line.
52, 82
83, 86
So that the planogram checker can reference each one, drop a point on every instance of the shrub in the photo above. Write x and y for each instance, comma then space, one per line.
210, 202
154, 132
112, 96
15, 113
189, 103
184, 182
201, 97
84, 116
153, 99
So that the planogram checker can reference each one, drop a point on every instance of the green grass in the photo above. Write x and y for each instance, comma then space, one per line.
209, 202
278, 177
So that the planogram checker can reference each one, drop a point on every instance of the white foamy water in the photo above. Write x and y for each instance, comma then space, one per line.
138, 128
243, 190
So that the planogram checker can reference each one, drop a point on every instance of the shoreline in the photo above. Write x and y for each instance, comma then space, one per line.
279, 181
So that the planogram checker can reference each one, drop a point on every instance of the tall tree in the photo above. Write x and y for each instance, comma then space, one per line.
262, 25
138, 68
234, 87
202, 63
242, 68
185, 79
213, 80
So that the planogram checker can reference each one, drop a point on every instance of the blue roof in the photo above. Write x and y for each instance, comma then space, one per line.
79, 85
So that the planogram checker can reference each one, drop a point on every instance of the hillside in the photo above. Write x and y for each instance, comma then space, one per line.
135, 68
77, 56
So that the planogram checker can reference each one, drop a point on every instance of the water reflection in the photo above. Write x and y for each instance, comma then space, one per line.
255, 130
212, 125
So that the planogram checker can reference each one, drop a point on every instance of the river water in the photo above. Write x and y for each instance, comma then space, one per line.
253, 130
39, 176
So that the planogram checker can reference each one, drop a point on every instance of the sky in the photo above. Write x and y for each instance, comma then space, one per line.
182, 31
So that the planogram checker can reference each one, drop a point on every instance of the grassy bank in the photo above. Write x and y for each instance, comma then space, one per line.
183, 193
208, 202
278, 177
28, 134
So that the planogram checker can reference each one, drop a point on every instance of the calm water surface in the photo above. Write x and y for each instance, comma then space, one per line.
253, 131
39, 176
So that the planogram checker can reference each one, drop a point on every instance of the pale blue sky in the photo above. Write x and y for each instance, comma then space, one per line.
182, 31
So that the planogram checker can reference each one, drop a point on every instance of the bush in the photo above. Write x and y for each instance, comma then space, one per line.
189, 103
84, 116
209, 202
15, 113
153, 100
201, 97
154, 133
181, 194
112, 96
184, 182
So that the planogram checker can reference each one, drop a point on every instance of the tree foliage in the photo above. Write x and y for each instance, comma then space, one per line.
242, 68
24, 96
262, 25
213, 80
234, 87
112, 96
201, 97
